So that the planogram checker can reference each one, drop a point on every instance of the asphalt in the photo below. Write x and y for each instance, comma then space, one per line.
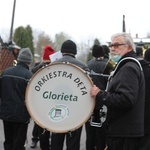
29, 136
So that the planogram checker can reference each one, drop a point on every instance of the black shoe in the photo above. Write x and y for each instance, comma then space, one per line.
33, 144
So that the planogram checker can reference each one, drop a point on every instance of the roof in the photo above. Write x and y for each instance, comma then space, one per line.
142, 40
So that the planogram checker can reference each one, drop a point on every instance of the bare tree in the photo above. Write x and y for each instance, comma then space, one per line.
97, 42
59, 39
83, 52
41, 41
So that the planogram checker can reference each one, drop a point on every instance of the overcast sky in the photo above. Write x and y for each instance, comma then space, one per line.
81, 19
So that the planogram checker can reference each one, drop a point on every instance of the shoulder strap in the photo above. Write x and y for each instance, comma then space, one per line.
125, 60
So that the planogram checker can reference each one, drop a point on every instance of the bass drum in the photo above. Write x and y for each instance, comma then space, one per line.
58, 97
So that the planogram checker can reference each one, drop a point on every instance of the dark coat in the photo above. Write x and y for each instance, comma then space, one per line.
13, 83
146, 70
73, 60
38, 66
98, 66
125, 100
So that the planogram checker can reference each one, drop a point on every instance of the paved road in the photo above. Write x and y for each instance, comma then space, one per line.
82, 147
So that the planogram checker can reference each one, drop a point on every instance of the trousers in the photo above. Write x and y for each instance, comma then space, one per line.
15, 135
123, 143
72, 140
145, 142
95, 137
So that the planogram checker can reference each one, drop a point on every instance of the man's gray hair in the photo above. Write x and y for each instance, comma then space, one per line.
127, 39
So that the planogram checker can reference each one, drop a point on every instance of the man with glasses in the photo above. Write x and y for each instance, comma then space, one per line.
124, 96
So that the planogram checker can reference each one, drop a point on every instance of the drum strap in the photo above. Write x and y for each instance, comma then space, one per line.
125, 60
120, 64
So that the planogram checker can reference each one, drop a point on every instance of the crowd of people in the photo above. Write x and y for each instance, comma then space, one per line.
124, 91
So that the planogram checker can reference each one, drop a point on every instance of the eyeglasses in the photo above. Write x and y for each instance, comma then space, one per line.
116, 45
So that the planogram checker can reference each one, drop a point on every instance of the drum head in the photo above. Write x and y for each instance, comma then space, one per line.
58, 97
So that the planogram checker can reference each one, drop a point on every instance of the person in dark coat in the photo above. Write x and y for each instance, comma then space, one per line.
124, 96
13, 111
68, 50
96, 134
145, 62
38, 132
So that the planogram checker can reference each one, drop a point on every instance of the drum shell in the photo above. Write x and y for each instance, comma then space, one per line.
60, 89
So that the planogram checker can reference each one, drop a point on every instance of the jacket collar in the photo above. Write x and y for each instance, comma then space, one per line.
67, 54
23, 64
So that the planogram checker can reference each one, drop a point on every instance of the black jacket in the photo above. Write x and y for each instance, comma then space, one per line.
71, 59
98, 66
38, 66
13, 83
146, 70
124, 98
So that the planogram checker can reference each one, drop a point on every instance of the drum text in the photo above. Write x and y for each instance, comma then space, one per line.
50, 95
62, 74
81, 86
52, 75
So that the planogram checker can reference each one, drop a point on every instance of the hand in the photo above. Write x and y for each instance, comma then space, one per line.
94, 90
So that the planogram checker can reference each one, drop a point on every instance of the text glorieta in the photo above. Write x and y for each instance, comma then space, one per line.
50, 95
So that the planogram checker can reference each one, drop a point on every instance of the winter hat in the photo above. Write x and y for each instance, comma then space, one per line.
48, 50
147, 55
25, 55
97, 51
69, 47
